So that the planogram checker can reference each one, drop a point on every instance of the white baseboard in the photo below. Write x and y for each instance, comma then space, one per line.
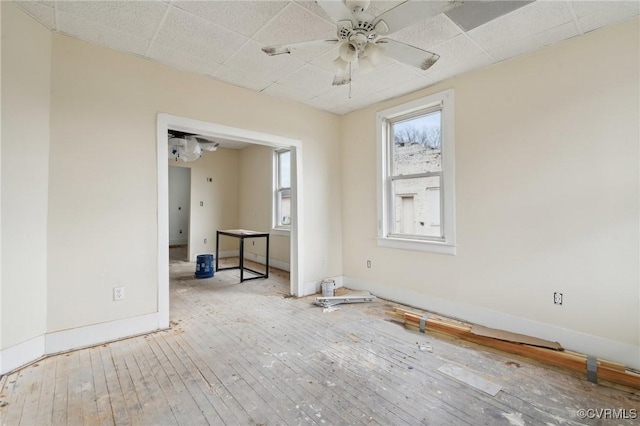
313, 287
21, 354
91, 335
76, 338
587, 344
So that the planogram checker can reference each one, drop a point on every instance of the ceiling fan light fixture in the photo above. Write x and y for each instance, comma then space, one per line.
340, 63
348, 51
374, 52
365, 65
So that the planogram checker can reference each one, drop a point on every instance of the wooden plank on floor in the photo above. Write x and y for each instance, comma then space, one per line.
116, 396
103, 399
243, 354
158, 406
185, 372
132, 404
44, 410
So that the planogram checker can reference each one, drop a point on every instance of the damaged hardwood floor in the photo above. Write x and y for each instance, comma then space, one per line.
244, 354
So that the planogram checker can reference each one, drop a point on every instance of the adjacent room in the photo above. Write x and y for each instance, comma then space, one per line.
434, 207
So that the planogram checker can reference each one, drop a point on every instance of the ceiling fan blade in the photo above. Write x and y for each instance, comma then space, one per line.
343, 76
407, 54
412, 12
288, 48
336, 9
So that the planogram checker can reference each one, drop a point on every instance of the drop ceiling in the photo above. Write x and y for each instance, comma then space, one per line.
223, 40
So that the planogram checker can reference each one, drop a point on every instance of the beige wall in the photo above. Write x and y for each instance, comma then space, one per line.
256, 192
219, 198
26, 86
547, 150
547, 186
102, 213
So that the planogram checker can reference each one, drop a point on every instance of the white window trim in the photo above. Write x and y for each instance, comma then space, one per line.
284, 230
448, 245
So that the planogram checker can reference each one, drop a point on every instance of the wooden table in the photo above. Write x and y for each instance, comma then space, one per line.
243, 234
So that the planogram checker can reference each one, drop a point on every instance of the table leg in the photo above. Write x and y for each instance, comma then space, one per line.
266, 274
241, 259
217, 249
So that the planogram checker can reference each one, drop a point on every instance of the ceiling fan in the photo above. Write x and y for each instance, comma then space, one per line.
360, 35
188, 146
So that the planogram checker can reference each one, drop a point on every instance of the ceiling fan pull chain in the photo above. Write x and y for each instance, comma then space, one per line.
350, 80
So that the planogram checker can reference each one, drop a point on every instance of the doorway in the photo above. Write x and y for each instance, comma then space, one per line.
166, 121
179, 212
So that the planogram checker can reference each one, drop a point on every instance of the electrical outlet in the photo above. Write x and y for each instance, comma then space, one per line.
557, 298
118, 293
369, 264
209, 180
201, 203
205, 241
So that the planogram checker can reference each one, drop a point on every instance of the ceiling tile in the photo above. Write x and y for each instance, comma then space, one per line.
518, 47
472, 14
595, 14
377, 8
309, 81
181, 60
42, 11
401, 89
272, 68
247, 78
527, 21
286, 92
429, 33
244, 17
294, 24
454, 52
320, 103
99, 34
339, 95
460, 66
198, 37
385, 77
224, 39
138, 18
313, 7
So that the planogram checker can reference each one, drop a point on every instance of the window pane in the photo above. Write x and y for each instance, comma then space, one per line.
284, 207
417, 207
416, 145
284, 169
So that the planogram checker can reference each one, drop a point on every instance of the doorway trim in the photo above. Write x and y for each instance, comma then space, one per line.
164, 121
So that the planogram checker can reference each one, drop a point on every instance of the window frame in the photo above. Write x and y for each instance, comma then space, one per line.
276, 226
443, 101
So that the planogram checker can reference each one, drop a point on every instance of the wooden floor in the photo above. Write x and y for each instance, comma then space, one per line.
245, 354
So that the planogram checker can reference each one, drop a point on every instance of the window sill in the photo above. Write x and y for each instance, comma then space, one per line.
281, 232
418, 245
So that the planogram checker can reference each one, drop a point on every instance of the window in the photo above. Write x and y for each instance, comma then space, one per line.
282, 193
415, 175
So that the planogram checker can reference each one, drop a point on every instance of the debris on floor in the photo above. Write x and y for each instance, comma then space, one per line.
598, 370
327, 302
425, 348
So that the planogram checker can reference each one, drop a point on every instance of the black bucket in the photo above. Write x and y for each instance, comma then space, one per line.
204, 266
